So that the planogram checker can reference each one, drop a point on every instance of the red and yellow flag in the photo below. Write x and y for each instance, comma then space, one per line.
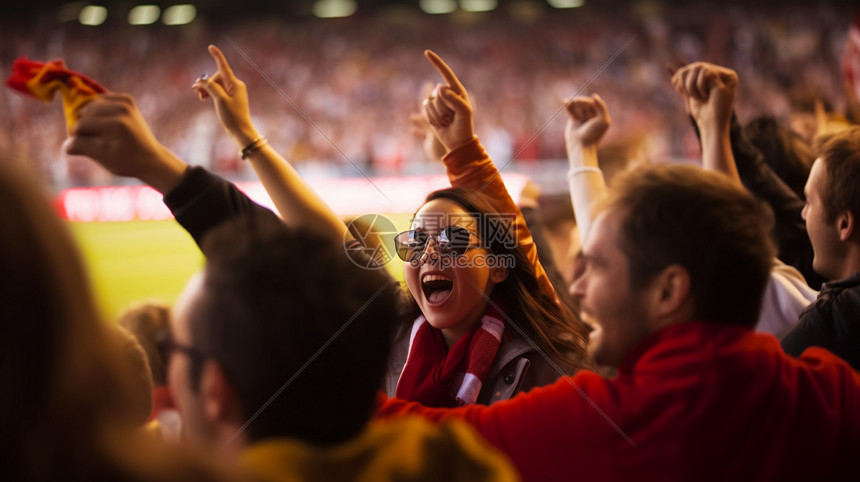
42, 79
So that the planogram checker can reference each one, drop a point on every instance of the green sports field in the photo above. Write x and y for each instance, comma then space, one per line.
139, 260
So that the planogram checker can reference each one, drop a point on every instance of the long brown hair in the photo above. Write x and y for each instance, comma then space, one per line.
537, 316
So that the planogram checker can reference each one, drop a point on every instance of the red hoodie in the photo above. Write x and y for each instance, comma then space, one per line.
695, 401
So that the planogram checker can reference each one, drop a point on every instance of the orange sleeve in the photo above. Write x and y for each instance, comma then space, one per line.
469, 166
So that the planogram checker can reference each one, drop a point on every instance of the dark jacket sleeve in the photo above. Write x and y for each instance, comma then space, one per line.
809, 331
201, 201
832, 323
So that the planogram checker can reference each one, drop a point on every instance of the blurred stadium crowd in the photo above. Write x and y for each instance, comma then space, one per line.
335, 95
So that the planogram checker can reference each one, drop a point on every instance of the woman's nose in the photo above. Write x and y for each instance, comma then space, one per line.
431, 251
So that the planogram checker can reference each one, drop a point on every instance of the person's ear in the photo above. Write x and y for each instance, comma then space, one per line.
670, 292
845, 225
498, 274
220, 402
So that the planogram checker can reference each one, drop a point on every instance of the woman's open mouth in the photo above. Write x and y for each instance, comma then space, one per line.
436, 287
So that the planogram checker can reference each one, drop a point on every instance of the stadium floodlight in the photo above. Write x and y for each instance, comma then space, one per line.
143, 15
334, 8
179, 14
478, 5
93, 15
437, 7
566, 3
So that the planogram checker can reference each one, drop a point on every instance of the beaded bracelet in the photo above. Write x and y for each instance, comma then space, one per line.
253, 146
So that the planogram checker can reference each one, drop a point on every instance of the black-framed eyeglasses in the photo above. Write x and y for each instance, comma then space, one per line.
451, 241
167, 345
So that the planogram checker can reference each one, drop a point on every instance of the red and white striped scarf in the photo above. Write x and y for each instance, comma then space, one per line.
438, 377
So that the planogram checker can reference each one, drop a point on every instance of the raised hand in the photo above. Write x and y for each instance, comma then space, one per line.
231, 99
588, 122
297, 203
111, 131
709, 93
421, 130
447, 108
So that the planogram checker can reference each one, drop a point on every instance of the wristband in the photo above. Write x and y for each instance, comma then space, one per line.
253, 146
581, 169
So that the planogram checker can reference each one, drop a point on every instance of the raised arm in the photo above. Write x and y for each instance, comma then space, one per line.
449, 113
587, 123
709, 93
297, 203
111, 131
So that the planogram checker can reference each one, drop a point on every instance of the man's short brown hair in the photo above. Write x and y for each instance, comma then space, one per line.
298, 328
701, 220
840, 189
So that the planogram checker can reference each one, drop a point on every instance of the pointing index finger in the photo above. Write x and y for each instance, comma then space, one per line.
446, 72
221, 61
